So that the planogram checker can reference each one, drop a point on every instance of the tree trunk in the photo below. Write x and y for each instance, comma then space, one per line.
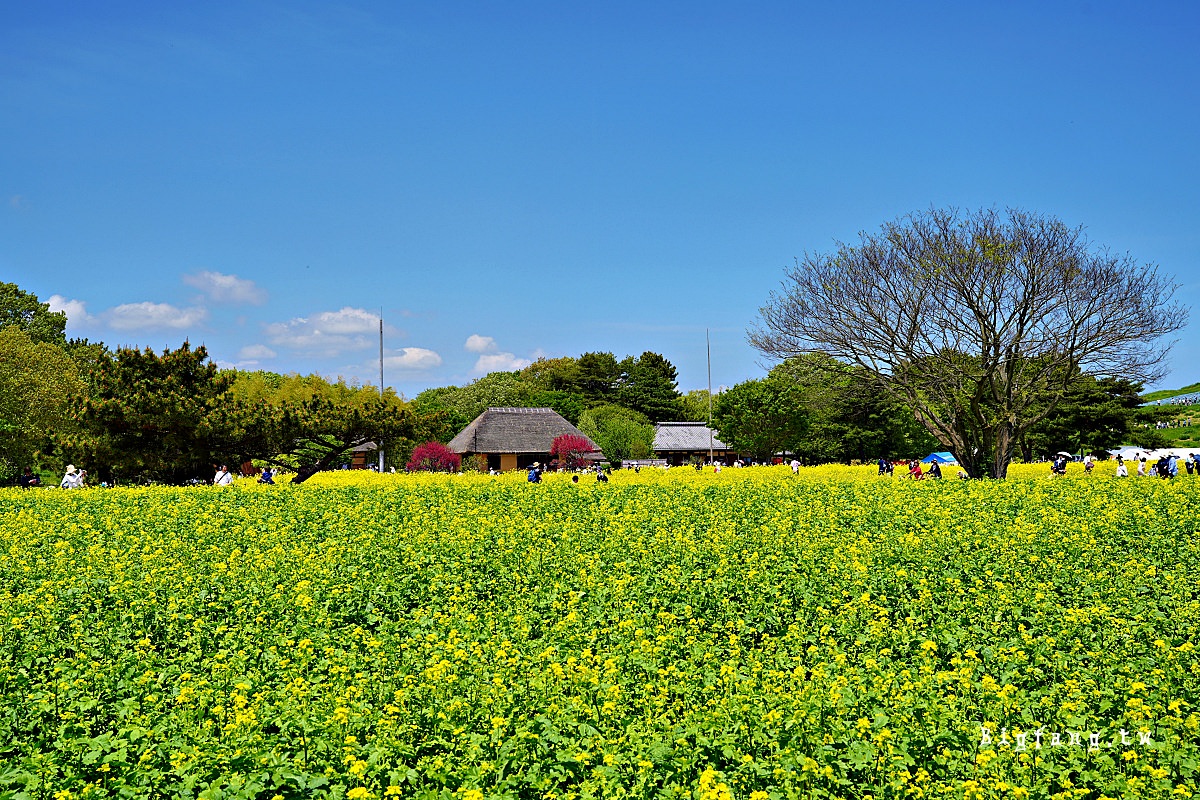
305, 472
1005, 443
1026, 450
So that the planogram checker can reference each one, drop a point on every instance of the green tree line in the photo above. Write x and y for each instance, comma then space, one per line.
137, 415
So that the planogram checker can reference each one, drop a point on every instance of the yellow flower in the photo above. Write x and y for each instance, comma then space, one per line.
712, 788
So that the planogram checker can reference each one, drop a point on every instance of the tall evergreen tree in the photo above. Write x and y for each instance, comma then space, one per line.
648, 385
599, 374
149, 416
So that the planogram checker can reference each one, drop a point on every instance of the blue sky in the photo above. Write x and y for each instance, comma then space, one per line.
509, 180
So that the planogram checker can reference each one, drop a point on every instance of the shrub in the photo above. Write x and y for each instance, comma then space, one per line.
570, 450
434, 457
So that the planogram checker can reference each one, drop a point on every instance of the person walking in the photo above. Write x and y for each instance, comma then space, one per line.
535, 473
222, 478
1122, 471
1142, 468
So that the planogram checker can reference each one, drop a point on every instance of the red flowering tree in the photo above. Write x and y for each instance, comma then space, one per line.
434, 457
570, 449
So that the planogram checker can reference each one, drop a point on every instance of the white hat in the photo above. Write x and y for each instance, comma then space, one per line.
70, 469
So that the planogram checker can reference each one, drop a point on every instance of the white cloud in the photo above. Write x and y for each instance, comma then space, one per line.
500, 362
490, 359
76, 310
222, 288
142, 316
255, 352
480, 344
348, 321
412, 358
328, 333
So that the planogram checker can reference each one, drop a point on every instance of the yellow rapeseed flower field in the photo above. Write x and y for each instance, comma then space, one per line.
670, 634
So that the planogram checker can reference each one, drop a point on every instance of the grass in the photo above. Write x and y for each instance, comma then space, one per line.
1163, 394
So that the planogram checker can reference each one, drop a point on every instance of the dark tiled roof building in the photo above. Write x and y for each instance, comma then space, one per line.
680, 442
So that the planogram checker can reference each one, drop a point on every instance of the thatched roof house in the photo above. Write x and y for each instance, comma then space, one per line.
680, 442
514, 438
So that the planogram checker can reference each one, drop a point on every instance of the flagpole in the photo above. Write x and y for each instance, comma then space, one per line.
381, 381
708, 348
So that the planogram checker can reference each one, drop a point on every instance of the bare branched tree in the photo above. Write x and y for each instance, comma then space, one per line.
979, 321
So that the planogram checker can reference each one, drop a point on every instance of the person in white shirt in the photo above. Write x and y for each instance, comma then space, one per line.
222, 478
72, 478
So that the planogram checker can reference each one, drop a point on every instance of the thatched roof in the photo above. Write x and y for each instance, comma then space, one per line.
684, 436
514, 430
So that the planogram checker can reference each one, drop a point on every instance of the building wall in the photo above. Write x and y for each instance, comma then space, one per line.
678, 458
507, 462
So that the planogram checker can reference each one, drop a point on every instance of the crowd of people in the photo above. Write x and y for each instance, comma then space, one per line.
1166, 466
1178, 400
916, 471
535, 474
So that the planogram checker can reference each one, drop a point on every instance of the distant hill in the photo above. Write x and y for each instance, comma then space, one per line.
1163, 394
